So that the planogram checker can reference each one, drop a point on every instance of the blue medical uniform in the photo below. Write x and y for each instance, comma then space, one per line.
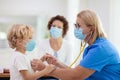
102, 57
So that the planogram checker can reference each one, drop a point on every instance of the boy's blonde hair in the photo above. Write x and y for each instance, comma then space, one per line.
19, 32
91, 19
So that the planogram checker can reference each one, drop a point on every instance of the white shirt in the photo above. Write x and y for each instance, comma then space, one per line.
64, 54
19, 62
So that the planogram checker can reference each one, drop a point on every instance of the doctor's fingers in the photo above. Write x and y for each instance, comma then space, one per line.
43, 58
54, 61
49, 61
50, 68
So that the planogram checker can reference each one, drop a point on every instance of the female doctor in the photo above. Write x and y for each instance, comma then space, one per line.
100, 61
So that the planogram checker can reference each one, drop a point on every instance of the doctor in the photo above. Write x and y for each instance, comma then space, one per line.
100, 61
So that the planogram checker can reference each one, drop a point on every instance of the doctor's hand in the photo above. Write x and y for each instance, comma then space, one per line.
37, 64
49, 68
50, 59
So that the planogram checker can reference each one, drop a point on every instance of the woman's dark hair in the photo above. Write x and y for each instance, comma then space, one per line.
63, 20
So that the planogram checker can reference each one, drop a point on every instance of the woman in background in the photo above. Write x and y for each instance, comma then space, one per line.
56, 46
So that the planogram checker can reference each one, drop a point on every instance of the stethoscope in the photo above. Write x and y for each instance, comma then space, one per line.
81, 50
82, 47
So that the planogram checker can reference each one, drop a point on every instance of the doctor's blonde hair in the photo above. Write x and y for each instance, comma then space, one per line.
91, 19
19, 32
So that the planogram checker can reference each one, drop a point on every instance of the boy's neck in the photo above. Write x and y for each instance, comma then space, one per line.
20, 50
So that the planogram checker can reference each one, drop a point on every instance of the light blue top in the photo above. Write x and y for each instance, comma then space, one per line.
102, 57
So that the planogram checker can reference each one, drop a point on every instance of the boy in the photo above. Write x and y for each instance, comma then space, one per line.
20, 39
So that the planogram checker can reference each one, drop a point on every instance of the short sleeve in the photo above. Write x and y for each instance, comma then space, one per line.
21, 62
96, 58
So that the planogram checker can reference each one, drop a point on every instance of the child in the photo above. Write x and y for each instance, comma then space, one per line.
20, 39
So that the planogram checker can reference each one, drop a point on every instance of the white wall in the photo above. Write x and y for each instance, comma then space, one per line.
32, 7
114, 31
102, 7
5, 57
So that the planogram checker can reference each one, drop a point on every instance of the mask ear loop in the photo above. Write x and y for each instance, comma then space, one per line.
81, 50
91, 33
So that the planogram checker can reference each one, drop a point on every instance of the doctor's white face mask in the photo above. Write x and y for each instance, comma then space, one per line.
78, 32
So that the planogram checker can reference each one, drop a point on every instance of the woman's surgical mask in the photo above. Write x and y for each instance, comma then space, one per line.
55, 32
30, 45
78, 32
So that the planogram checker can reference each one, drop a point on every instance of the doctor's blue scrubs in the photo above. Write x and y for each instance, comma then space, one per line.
102, 57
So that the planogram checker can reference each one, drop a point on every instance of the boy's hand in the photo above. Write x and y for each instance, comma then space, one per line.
37, 64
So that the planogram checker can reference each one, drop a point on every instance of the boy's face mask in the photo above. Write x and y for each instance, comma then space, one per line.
30, 45
55, 32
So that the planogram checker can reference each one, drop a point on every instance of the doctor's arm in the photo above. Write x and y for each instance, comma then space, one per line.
77, 73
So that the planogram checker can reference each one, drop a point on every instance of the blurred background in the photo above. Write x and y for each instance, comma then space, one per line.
38, 12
